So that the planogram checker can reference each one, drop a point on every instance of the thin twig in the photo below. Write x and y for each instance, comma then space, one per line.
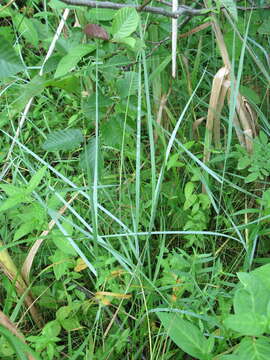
182, 10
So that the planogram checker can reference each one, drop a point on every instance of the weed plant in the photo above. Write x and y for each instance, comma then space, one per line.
118, 237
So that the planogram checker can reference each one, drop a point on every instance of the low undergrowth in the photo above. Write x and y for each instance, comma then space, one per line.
125, 233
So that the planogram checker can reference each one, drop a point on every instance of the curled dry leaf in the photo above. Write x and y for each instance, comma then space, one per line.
96, 31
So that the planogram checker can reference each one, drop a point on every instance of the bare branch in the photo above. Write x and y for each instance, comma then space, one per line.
182, 10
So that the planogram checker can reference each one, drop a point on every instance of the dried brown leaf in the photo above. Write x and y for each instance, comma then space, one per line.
96, 31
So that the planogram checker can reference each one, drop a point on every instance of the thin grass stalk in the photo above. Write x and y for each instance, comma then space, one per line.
167, 154
84, 194
149, 124
96, 174
88, 234
250, 51
156, 80
152, 147
138, 159
197, 62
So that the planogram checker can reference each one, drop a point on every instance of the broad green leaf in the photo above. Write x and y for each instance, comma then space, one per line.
230, 5
249, 324
185, 335
31, 89
189, 188
61, 242
63, 312
61, 263
51, 63
264, 29
160, 68
173, 162
87, 159
12, 190
251, 303
68, 139
69, 61
190, 201
13, 201
130, 41
69, 83
251, 349
252, 177
243, 163
89, 106
24, 229
51, 329
26, 29
129, 85
262, 273
111, 132
256, 293
124, 23
36, 179
10, 63
100, 14
6, 12
71, 323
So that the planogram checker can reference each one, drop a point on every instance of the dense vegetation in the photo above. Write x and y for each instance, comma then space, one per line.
134, 205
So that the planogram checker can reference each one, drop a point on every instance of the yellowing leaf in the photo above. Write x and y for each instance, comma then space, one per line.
112, 294
81, 265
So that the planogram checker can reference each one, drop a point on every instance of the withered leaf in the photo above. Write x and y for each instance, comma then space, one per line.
96, 31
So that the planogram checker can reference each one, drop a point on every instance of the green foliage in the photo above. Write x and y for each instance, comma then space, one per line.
230, 5
68, 139
125, 22
187, 336
10, 63
88, 158
197, 219
69, 61
254, 349
15, 346
19, 195
144, 250
251, 302
258, 163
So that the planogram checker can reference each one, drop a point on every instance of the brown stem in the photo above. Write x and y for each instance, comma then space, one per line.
182, 10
